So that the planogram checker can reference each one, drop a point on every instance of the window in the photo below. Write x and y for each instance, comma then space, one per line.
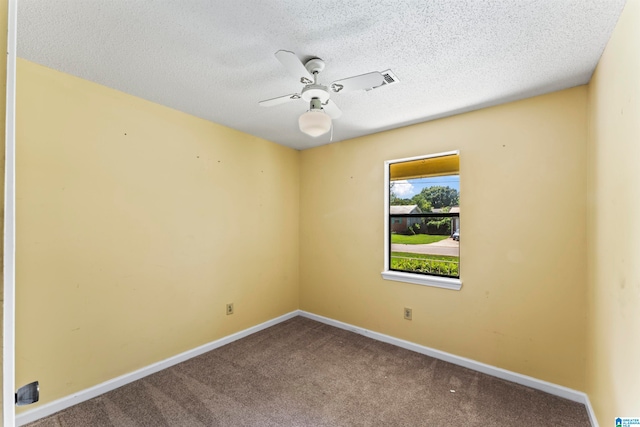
422, 220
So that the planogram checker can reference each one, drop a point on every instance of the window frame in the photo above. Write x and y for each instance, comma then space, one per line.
401, 276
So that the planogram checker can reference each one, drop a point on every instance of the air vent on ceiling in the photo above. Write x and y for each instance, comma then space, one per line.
389, 79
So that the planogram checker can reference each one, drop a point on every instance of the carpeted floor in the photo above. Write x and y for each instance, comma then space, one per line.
304, 373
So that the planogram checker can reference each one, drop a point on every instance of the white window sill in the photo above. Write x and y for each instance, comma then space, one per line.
422, 279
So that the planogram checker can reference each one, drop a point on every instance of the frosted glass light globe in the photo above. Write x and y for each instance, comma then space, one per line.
314, 123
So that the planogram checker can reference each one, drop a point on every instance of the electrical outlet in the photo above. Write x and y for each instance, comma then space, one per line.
408, 313
229, 309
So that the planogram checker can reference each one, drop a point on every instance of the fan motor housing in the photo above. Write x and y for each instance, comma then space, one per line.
312, 91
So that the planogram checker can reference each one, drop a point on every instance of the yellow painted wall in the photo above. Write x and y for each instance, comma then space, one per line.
136, 224
523, 223
3, 110
613, 363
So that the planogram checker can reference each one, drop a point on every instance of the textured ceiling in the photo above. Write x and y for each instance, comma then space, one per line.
215, 59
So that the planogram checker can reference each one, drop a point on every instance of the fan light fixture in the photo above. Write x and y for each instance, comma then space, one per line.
315, 122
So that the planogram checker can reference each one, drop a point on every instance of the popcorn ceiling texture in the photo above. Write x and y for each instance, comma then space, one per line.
215, 59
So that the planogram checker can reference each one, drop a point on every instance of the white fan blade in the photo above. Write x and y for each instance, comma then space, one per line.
361, 82
332, 109
294, 66
279, 100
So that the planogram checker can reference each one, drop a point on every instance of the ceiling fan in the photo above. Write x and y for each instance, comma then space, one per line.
317, 120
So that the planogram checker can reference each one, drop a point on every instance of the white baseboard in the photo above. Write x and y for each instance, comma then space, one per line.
68, 401
554, 389
591, 412
81, 396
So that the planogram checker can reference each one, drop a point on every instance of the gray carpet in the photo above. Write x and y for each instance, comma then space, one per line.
304, 373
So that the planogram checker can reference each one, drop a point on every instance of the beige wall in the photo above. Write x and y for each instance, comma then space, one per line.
523, 222
3, 110
136, 224
613, 367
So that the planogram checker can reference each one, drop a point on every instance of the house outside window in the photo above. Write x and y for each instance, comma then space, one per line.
399, 225
422, 220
